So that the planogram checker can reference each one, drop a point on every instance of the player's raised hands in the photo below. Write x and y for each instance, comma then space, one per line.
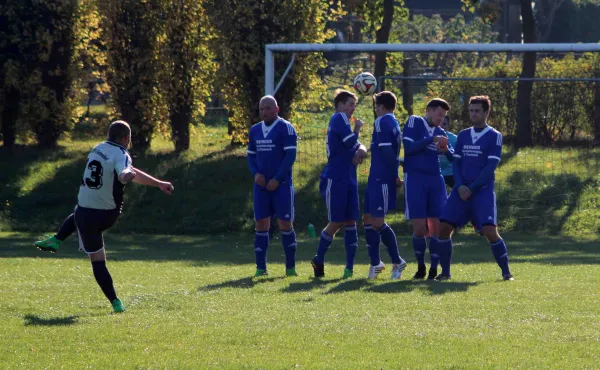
360, 154
358, 124
166, 187
464, 192
260, 180
272, 185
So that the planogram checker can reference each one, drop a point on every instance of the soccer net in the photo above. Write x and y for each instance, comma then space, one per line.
551, 187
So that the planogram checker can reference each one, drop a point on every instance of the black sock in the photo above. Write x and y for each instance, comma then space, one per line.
104, 279
67, 228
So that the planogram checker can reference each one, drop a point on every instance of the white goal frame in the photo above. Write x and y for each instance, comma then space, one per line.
271, 49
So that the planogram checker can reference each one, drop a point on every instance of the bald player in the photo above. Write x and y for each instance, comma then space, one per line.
99, 203
271, 155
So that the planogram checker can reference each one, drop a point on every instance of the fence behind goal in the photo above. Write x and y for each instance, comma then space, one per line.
552, 187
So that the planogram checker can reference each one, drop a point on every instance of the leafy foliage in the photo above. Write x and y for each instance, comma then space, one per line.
132, 31
40, 41
189, 66
561, 111
242, 29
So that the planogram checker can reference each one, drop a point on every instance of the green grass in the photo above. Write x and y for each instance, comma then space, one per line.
192, 303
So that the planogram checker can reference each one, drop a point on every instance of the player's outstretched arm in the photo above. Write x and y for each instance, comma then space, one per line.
143, 178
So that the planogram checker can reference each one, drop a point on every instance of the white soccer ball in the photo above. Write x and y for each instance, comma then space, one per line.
365, 83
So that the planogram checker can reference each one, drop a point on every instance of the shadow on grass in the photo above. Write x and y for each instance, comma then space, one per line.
313, 283
34, 320
433, 287
238, 249
350, 286
243, 283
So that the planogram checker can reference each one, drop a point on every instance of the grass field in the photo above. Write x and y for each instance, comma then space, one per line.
192, 303
540, 190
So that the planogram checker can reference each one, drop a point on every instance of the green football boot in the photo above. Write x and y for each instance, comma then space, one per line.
347, 274
118, 306
261, 272
49, 244
291, 272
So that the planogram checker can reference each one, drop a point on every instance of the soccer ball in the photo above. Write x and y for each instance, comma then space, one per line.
365, 83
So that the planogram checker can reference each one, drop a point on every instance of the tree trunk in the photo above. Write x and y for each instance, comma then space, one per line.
180, 125
382, 36
524, 88
407, 93
10, 113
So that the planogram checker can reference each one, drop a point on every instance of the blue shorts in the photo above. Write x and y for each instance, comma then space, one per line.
279, 202
480, 209
341, 200
380, 197
424, 195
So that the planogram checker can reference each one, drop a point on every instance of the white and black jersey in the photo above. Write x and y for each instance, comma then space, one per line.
100, 185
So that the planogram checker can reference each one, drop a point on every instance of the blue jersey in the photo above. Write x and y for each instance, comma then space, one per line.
474, 150
341, 145
269, 144
418, 134
445, 164
386, 133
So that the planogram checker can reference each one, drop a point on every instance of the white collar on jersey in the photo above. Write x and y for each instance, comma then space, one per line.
429, 129
266, 129
477, 135
115, 144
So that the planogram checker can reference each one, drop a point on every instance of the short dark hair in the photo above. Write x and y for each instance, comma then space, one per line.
118, 130
387, 99
438, 102
342, 96
447, 118
484, 100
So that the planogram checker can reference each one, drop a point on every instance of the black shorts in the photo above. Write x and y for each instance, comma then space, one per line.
91, 223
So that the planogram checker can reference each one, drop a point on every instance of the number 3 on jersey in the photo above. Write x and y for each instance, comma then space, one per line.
94, 172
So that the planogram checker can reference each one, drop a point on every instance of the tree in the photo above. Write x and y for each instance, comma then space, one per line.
380, 15
241, 31
132, 31
545, 12
524, 89
189, 67
524, 133
40, 38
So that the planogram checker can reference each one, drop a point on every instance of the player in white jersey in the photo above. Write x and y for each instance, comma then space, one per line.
99, 203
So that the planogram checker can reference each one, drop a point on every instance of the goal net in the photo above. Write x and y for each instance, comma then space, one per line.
549, 187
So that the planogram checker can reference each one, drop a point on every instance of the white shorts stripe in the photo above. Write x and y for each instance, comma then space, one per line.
292, 194
493, 157
385, 144
408, 139
289, 147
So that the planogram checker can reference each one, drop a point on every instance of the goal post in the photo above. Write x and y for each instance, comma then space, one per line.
271, 49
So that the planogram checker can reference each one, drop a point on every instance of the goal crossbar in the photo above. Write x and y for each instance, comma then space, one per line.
270, 49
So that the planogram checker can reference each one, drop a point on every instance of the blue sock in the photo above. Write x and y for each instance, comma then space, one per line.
373, 239
351, 242
434, 253
261, 244
501, 254
288, 240
389, 240
419, 246
324, 244
445, 253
